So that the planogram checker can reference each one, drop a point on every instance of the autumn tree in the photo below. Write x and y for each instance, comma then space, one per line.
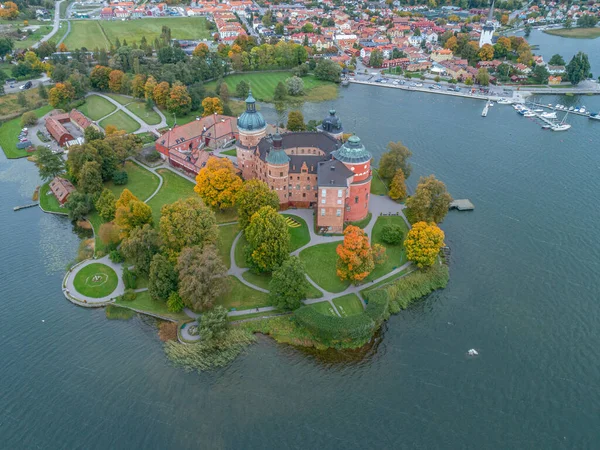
202, 277
62, 48
486, 53
105, 205
138, 86
356, 257
201, 51
163, 277
398, 186
423, 243
211, 105
115, 80
61, 94
109, 234
396, 158
451, 44
217, 183
161, 93
253, 195
9, 11
100, 77
149, 87
268, 240
90, 178
288, 286
179, 100
131, 215
296, 121
187, 223
140, 247
430, 202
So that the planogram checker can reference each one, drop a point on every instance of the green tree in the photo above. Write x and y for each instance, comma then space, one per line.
175, 303
376, 59
295, 86
134, 214
28, 119
527, 30
268, 240
578, 68
280, 92
202, 277
288, 286
328, 70
568, 23
79, 205
254, 195
49, 164
21, 99
213, 324
92, 134
430, 202
587, 21
392, 234
296, 121
162, 280
242, 89
557, 60
483, 77
90, 178
105, 205
140, 247
540, 74
395, 158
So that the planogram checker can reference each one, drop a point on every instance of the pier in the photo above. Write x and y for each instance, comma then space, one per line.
541, 105
462, 205
486, 108
18, 208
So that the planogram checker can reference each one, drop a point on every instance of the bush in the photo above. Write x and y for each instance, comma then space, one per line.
115, 256
120, 177
129, 279
109, 234
412, 287
129, 295
153, 156
175, 303
392, 234
28, 119
114, 312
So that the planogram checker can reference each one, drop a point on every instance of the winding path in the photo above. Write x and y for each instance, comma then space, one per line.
54, 27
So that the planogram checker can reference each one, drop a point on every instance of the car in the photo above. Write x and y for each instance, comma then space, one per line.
413, 84
419, 84
431, 87
12, 85
384, 81
26, 85
394, 82
378, 80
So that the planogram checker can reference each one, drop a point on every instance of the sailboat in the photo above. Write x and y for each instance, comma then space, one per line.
562, 126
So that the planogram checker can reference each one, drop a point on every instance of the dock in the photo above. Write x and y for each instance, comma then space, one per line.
462, 205
18, 208
552, 108
486, 108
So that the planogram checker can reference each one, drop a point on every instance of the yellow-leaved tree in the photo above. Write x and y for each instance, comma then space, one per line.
217, 183
212, 105
131, 213
423, 243
398, 186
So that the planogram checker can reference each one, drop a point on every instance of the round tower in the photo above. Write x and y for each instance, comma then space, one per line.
332, 125
252, 128
278, 166
355, 157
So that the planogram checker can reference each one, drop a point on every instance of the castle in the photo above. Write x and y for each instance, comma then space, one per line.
308, 169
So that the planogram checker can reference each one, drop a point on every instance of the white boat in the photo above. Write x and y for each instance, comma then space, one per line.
561, 127
595, 116
548, 115
571, 108
528, 114
491, 103
582, 110
504, 101
538, 110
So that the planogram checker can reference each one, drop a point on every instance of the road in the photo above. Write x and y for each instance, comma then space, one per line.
35, 83
55, 27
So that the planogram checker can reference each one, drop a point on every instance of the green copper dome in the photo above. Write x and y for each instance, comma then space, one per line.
277, 154
251, 119
352, 152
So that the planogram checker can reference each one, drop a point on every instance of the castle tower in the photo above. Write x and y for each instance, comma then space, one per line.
332, 125
252, 128
355, 157
487, 31
278, 167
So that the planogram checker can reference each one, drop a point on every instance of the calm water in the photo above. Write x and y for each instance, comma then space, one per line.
523, 291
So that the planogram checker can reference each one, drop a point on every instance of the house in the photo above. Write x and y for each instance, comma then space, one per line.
55, 125
556, 69
61, 188
442, 54
554, 80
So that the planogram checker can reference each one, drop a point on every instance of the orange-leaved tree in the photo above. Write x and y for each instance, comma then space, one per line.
217, 183
356, 257
61, 94
115, 80
212, 105
423, 243
161, 93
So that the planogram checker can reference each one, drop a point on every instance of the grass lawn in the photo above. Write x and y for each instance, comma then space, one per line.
242, 297
9, 134
263, 279
100, 34
96, 107
360, 223
396, 255
34, 37
348, 305
232, 152
299, 236
48, 201
240, 254
320, 261
139, 109
226, 215
386, 280
378, 187
324, 308
62, 30
253, 315
96, 280
143, 302
227, 234
174, 187
264, 83
181, 120
578, 33
122, 121
122, 99
9, 104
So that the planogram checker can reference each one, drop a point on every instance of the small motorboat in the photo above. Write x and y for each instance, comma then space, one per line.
594, 116
472, 352
548, 115
528, 114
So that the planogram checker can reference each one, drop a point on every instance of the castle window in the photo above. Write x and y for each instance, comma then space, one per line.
308, 187
352, 169
269, 172
304, 194
348, 208
280, 174
338, 212
316, 195
339, 202
324, 192
322, 211
284, 188
323, 201
298, 187
339, 193
356, 199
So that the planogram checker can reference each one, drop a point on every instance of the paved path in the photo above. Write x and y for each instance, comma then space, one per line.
66, 34
185, 332
55, 26
70, 287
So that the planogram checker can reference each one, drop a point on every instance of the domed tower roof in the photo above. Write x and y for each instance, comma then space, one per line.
277, 154
251, 119
332, 123
352, 152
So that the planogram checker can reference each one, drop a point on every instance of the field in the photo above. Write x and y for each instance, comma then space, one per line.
320, 261
577, 33
396, 255
348, 305
227, 234
9, 106
144, 302
232, 152
33, 38
242, 297
9, 133
96, 107
324, 308
122, 121
378, 187
173, 188
122, 99
93, 34
96, 280
139, 109
263, 86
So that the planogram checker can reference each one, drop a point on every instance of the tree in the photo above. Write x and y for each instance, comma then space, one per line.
90, 178
187, 223
398, 186
100, 77
540, 74
9, 11
253, 195
392, 234
140, 247
280, 92
356, 257
78, 204
138, 86
42, 91
502, 47
201, 51
161, 93
149, 87
527, 30
295, 86
217, 183
6, 46
486, 53
451, 44
92, 134
242, 89
162, 280
105, 205
28, 119
557, 60
376, 59
423, 243
568, 23
115, 80
578, 68
174, 303
395, 158
179, 101
202, 277
212, 105
131, 216
296, 121
430, 202
61, 94
483, 77
21, 99
268, 240
288, 286
109, 234
587, 21
213, 324
224, 93
125, 198
504, 19
328, 70
49, 164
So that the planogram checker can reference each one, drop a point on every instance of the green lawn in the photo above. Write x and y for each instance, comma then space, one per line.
96, 107
299, 236
143, 302
348, 305
122, 121
232, 152
100, 34
242, 297
378, 187
227, 234
263, 86
253, 315
48, 201
34, 37
181, 120
386, 280
396, 255
320, 262
9, 134
86, 284
324, 308
360, 223
122, 99
226, 215
139, 109
240, 254
62, 30
174, 188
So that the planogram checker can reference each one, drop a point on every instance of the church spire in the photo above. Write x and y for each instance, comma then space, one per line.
491, 13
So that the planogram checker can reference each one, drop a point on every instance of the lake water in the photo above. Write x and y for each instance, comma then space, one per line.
524, 292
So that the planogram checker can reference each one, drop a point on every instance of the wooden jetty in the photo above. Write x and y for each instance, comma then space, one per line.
462, 205
18, 208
